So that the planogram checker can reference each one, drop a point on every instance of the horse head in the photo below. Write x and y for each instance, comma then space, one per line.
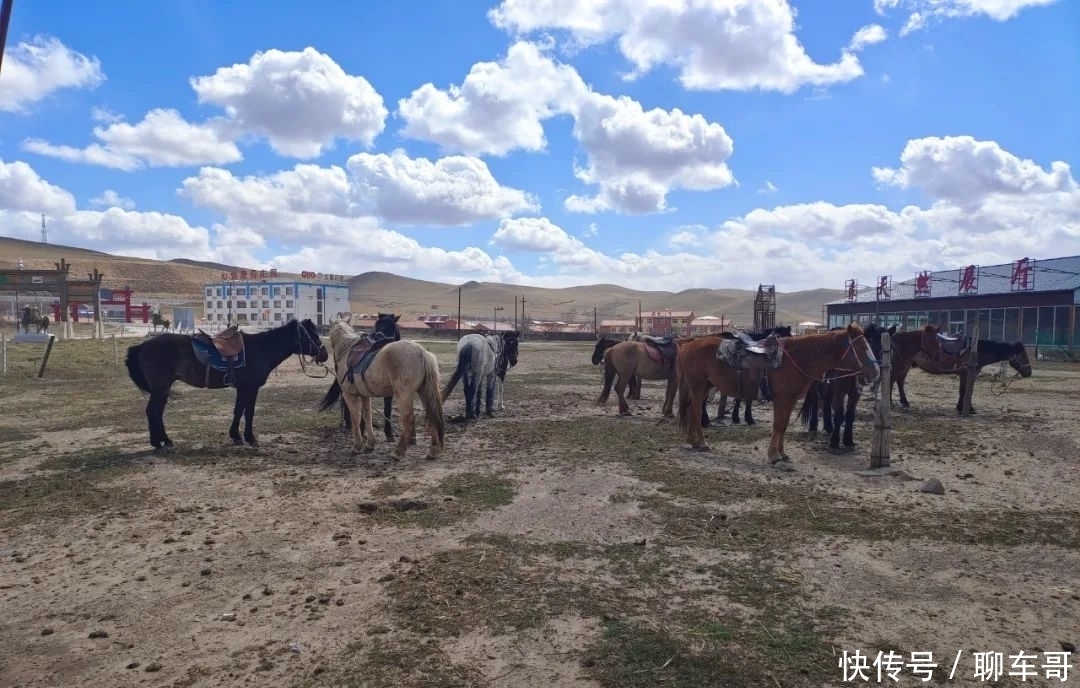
858, 345
386, 325
310, 343
602, 345
1019, 359
929, 342
510, 347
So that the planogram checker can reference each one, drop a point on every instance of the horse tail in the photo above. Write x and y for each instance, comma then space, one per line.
331, 397
810, 404
463, 361
135, 371
609, 379
431, 398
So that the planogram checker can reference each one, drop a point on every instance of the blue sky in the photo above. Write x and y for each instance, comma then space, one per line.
638, 143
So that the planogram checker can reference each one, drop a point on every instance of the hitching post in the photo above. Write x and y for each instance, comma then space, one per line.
879, 450
115, 351
972, 372
45, 360
3, 353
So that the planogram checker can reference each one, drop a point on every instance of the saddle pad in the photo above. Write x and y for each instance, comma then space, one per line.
363, 353
735, 354
952, 345
207, 355
659, 353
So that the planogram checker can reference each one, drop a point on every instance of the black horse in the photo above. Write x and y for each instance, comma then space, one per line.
763, 389
990, 352
386, 325
154, 365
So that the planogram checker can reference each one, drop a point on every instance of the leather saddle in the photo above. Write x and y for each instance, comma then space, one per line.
223, 352
952, 346
742, 352
660, 349
362, 353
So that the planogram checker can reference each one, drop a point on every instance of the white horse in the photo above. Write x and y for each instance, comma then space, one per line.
480, 358
401, 369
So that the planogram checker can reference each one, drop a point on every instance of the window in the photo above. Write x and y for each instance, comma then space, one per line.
1030, 324
288, 304
277, 317
209, 291
266, 304
241, 304
209, 305
984, 324
1076, 328
277, 303
288, 291
277, 291
219, 304
997, 324
1061, 325
1045, 333
265, 291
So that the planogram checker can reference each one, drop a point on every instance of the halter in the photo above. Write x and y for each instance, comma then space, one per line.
825, 376
301, 333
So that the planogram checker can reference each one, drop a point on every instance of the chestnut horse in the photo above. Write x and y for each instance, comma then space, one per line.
629, 359
805, 358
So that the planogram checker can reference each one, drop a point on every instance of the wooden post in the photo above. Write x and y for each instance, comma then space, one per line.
879, 450
972, 372
3, 353
115, 350
45, 360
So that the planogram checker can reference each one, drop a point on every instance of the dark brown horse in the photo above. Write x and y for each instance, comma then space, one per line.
763, 392
941, 363
804, 359
602, 345
154, 365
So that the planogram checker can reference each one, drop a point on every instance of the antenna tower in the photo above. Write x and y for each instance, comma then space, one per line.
44, 232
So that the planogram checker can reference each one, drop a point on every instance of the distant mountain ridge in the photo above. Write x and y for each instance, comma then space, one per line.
181, 280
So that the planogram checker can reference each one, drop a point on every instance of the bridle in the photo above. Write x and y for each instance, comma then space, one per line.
301, 334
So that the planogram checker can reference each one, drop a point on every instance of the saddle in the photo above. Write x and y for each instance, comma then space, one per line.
362, 353
660, 349
952, 346
744, 353
223, 352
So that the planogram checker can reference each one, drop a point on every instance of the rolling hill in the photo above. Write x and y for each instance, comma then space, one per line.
179, 281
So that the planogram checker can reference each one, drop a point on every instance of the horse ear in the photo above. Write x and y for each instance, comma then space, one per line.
892, 330
397, 317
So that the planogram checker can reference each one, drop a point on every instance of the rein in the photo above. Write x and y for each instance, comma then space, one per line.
850, 372
300, 349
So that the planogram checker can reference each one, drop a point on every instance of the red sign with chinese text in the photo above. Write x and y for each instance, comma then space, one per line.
969, 279
884, 287
1021, 275
922, 283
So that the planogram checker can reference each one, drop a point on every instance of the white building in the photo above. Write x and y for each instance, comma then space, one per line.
274, 301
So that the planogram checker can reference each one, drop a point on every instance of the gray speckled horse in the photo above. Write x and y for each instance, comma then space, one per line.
480, 357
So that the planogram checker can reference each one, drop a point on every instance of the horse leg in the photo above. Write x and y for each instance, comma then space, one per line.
408, 423
695, 435
369, 430
468, 383
849, 419
489, 394
668, 410
721, 408
355, 419
388, 413
782, 406
238, 410
249, 417
620, 390
748, 416
960, 397
900, 387
836, 410
155, 418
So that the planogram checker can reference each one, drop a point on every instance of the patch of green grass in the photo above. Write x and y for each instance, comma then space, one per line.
66, 495
11, 434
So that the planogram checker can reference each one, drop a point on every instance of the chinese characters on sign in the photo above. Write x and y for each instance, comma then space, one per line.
248, 275
852, 287
969, 279
884, 287
989, 666
922, 284
1021, 276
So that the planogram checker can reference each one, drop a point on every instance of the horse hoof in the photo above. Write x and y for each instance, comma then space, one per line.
238, 441
161, 451
169, 445
751, 422
700, 448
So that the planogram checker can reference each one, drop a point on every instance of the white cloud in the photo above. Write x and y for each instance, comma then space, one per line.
536, 234
300, 101
923, 11
455, 190
867, 35
498, 108
162, 139
767, 188
714, 44
24, 195
636, 157
963, 171
36, 68
110, 198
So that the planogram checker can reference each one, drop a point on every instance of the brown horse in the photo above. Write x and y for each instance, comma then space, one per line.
804, 359
629, 359
906, 346
602, 345
941, 363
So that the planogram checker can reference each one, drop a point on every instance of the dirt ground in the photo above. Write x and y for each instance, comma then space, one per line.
556, 544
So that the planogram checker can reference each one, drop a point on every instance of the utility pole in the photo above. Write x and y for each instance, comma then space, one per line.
524, 322
515, 313
494, 316
640, 321
459, 312
595, 324
5, 21
44, 233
